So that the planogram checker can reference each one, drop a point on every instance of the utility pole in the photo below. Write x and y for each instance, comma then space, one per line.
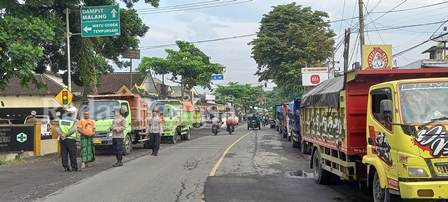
68, 35
346, 53
361, 26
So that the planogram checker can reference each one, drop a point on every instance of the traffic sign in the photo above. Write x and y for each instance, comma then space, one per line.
64, 97
100, 21
217, 77
132, 54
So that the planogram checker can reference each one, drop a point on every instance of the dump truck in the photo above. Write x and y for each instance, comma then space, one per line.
101, 109
383, 128
178, 118
294, 122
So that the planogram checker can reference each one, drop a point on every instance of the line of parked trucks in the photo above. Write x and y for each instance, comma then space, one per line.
385, 129
177, 119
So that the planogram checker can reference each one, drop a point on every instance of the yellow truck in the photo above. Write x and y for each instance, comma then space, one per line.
384, 128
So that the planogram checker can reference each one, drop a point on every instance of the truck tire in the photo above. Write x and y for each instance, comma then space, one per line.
127, 145
188, 135
379, 194
295, 144
321, 176
173, 139
305, 148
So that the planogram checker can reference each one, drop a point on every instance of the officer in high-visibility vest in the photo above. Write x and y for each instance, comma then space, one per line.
67, 138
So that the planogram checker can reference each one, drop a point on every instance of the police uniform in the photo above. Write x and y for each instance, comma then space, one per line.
67, 127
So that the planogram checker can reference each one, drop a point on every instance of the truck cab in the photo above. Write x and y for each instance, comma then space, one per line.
177, 120
102, 111
407, 142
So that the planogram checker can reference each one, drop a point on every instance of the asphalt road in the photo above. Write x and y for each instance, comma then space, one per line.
40, 176
177, 174
261, 166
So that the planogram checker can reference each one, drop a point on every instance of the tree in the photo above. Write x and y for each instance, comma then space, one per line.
241, 95
291, 37
43, 31
20, 47
189, 63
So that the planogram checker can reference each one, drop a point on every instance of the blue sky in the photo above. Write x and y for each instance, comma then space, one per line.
210, 23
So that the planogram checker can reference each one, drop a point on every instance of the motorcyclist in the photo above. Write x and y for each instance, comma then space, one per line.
216, 123
230, 122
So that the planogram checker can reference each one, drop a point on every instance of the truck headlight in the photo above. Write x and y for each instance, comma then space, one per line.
109, 134
417, 172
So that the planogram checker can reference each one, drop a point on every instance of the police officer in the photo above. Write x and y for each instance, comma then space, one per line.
67, 138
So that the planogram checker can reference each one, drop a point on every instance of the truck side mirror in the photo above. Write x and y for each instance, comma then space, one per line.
386, 110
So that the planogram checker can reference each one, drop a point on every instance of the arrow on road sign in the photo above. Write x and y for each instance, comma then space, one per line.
87, 29
114, 13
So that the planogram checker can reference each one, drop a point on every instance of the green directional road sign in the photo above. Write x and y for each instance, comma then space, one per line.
100, 21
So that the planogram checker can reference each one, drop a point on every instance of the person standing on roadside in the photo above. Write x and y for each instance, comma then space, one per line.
67, 138
155, 124
86, 128
118, 127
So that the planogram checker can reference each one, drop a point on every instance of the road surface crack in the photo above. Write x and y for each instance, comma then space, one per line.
182, 188
190, 165
196, 187
254, 154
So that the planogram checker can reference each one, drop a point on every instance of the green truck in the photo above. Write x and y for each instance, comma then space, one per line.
177, 118
101, 109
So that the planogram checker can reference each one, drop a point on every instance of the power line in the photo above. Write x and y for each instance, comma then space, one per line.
200, 41
410, 9
374, 24
421, 43
402, 26
387, 12
180, 5
228, 3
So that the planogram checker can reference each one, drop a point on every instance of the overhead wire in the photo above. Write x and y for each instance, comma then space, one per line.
410, 9
389, 11
180, 5
200, 41
227, 3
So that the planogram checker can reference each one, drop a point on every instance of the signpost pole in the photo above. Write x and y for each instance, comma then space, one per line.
67, 25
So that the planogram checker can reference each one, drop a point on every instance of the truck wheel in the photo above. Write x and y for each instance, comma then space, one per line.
304, 148
379, 194
188, 135
294, 143
321, 176
174, 139
127, 147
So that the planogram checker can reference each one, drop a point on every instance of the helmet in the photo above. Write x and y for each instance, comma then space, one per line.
72, 109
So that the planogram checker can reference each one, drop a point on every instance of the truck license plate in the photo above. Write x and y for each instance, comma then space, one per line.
97, 141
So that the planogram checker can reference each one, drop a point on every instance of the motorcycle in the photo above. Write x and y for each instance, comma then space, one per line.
215, 128
230, 129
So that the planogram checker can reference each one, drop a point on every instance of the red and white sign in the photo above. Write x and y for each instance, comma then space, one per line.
314, 76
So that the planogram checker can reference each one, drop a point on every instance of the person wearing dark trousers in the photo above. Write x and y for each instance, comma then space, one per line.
67, 138
118, 127
155, 124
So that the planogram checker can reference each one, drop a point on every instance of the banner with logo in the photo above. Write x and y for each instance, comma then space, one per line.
377, 56
17, 138
314, 76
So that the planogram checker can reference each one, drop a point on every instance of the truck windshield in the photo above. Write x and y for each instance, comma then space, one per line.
98, 110
423, 102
